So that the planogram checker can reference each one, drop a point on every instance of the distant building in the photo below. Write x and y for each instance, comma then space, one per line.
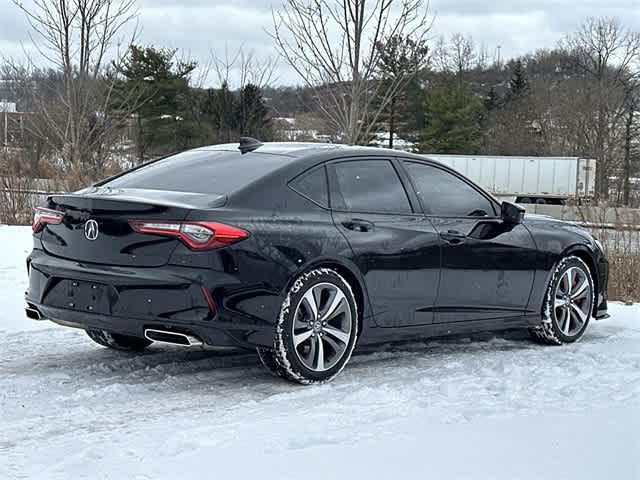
7, 107
381, 140
287, 129
11, 124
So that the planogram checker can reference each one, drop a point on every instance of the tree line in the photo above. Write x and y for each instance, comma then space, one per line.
364, 67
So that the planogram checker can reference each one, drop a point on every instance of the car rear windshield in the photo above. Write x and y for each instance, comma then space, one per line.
201, 171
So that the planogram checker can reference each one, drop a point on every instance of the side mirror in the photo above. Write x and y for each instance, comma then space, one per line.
512, 213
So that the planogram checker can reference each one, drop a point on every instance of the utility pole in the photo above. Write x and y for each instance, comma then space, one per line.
6, 129
4, 105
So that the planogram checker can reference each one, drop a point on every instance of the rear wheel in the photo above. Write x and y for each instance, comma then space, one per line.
317, 327
118, 341
268, 359
568, 304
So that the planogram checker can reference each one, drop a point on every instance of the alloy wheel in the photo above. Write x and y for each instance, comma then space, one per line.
572, 301
322, 327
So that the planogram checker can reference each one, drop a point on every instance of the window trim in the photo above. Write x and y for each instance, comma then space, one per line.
494, 204
322, 166
333, 185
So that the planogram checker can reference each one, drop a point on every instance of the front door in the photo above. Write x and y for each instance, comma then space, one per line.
394, 245
488, 266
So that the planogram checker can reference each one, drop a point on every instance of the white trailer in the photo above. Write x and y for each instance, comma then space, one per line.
543, 180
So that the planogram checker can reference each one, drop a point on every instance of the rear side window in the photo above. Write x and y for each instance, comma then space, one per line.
201, 171
444, 194
313, 185
368, 186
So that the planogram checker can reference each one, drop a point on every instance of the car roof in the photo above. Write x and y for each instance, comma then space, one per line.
297, 149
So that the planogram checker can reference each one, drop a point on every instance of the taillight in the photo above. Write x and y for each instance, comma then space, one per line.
45, 216
195, 235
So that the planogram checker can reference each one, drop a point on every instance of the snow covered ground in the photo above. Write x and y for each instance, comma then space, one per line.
490, 407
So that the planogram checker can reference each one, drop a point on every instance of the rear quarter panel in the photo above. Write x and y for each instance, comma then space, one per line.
288, 235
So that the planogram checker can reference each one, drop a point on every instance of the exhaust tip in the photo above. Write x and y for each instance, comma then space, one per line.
32, 313
174, 338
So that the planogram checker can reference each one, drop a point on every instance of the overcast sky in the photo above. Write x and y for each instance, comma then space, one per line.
197, 26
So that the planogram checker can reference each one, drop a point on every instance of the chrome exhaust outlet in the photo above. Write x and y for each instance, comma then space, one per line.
32, 313
175, 338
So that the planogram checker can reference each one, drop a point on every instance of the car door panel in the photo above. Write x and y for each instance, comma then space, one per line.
488, 273
487, 266
398, 252
399, 257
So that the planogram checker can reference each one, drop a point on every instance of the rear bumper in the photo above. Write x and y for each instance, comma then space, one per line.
208, 334
129, 300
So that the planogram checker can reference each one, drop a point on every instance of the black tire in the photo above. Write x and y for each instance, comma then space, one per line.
553, 328
117, 341
525, 200
337, 337
268, 359
541, 201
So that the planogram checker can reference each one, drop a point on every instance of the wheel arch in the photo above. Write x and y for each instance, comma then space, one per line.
351, 274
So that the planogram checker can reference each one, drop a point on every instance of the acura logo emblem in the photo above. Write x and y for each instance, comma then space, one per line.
91, 230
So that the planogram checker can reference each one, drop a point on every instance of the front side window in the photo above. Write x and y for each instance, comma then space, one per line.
368, 186
444, 194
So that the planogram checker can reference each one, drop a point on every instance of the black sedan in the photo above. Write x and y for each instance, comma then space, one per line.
303, 251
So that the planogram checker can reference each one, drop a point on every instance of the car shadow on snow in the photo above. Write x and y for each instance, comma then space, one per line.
160, 361
84, 355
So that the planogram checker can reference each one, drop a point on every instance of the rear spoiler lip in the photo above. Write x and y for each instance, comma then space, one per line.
163, 198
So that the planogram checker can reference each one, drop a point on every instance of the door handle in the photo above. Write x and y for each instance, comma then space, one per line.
453, 237
358, 225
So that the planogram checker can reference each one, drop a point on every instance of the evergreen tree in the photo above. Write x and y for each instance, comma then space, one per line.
252, 113
453, 120
518, 85
400, 58
220, 112
163, 119
492, 100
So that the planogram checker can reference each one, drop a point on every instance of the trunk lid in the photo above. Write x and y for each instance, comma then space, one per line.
95, 228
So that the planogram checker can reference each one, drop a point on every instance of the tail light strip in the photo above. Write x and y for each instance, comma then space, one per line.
195, 235
45, 216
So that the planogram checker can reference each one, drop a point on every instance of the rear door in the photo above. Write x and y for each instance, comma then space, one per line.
395, 246
488, 267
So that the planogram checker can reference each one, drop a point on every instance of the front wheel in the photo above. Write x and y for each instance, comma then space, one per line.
317, 328
568, 304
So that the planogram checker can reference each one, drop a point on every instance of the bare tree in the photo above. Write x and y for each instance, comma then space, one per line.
79, 118
605, 51
242, 68
440, 54
16, 189
457, 56
333, 46
631, 137
462, 53
482, 61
